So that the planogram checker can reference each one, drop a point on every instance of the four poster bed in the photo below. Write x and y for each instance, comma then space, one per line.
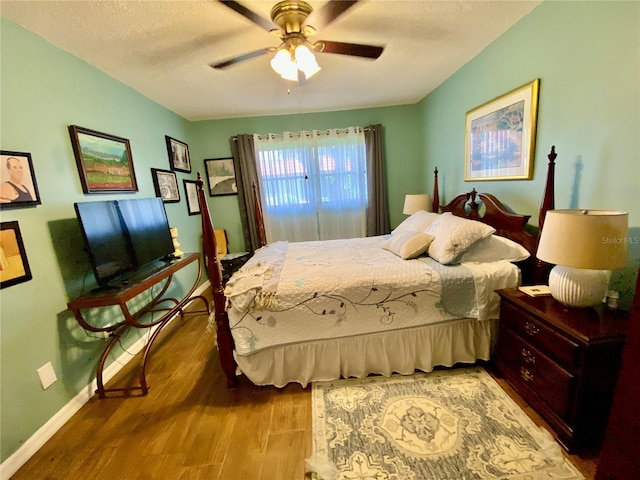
313, 311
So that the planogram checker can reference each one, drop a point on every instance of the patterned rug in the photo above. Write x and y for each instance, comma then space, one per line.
455, 424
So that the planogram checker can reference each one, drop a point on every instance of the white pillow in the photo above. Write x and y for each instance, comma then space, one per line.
417, 222
454, 235
494, 248
408, 244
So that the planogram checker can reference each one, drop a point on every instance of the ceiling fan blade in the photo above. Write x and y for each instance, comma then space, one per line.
242, 58
249, 14
354, 49
329, 12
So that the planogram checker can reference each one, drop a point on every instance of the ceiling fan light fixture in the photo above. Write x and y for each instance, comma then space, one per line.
287, 61
296, 52
306, 61
282, 62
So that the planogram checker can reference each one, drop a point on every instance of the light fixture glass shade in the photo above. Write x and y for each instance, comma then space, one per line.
414, 203
306, 61
290, 73
284, 66
584, 245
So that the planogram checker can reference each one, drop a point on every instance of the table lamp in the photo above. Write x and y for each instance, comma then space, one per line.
584, 245
416, 202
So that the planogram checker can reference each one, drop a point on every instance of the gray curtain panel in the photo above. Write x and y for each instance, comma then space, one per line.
378, 210
244, 161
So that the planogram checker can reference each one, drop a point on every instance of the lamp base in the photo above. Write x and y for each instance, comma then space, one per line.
578, 287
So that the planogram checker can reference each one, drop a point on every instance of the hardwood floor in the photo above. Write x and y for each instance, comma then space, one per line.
190, 426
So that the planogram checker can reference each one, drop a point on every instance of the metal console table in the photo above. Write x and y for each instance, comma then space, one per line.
120, 297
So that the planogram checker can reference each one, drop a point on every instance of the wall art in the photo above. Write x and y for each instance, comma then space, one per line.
501, 136
104, 161
18, 186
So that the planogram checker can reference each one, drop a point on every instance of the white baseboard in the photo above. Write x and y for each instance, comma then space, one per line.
12, 464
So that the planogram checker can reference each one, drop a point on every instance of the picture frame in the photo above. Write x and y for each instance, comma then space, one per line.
104, 161
165, 183
14, 266
500, 136
221, 176
179, 158
191, 193
18, 186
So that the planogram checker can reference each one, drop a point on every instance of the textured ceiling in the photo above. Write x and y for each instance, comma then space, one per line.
163, 50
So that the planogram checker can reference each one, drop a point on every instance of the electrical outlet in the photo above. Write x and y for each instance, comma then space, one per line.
47, 375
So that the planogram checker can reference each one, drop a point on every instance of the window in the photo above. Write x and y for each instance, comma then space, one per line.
314, 184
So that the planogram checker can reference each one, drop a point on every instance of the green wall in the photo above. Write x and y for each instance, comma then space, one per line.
586, 55
43, 91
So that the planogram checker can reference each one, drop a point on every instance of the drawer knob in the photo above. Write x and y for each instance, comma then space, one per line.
526, 375
531, 329
527, 356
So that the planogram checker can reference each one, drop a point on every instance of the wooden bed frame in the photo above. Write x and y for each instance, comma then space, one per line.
483, 207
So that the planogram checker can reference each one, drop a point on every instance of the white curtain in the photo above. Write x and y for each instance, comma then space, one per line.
313, 184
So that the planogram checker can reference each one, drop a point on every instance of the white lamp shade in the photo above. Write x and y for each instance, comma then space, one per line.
417, 202
583, 245
592, 239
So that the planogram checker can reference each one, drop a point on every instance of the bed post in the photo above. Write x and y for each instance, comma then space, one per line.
223, 332
548, 198
435, 207
540, 270
262, 237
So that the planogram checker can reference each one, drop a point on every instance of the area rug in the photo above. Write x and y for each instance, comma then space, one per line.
454, 424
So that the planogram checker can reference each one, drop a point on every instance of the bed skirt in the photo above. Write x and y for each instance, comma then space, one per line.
400, 351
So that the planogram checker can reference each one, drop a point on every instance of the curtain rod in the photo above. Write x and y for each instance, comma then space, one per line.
322, 132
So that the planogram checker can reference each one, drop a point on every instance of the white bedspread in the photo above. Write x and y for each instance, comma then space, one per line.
296, 292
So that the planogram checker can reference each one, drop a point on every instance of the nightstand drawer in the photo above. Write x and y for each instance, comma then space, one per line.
553, 344
533, 368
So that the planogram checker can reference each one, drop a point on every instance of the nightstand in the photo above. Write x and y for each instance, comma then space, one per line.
563, 361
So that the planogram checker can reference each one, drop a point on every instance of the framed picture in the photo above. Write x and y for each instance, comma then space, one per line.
14, 267
178, 155
501, 136
18, 187
221, 176
104, 161
166, 185
191, 192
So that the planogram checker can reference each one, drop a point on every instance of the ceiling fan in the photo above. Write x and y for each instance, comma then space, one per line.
294, 56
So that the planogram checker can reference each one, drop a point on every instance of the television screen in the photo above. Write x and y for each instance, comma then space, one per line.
148, 228
122, 236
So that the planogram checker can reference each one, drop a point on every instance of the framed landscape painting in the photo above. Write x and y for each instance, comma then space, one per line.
14, 267
221, 176
166, 185
501, 136
18, 187
104, 161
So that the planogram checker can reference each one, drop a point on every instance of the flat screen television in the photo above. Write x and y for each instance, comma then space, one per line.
124, 236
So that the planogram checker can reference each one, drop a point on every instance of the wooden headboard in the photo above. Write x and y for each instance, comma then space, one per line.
468, 205
486, 208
